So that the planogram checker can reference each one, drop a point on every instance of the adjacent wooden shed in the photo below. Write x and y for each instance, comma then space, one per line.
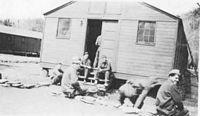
139, 39
17, 41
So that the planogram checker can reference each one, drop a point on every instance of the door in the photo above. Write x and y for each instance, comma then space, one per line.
109, 41
93, 31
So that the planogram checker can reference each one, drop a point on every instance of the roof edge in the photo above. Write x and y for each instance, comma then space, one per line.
143, 3
20, 32
159, 10
59, 7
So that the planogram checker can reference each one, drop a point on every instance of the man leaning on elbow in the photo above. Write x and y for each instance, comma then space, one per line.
168, 100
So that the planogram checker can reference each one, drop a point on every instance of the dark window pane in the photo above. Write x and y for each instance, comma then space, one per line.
146, 39
147, 32
152, 32
147, 25
140, 32
141, 24
140, 38
152, 25
151, 39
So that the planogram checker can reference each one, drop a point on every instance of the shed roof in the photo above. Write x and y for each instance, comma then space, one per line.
159, 10
60, 7
142, 3
20, 32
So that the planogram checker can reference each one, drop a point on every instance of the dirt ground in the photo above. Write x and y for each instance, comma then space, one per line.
41, 102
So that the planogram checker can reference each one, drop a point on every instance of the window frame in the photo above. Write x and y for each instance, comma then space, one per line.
57, 32
143, 42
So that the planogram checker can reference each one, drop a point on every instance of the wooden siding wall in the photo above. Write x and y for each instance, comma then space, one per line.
76, 10
19, 44
109, 42
131, 58
57, 50
146, 60
139, 11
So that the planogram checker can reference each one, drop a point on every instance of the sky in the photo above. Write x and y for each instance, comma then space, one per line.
20, 9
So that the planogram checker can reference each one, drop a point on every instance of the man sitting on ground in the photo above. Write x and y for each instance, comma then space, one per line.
70, 85
168, 100
56, 74
103, 70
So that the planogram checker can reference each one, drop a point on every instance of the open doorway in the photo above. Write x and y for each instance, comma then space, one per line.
93, 30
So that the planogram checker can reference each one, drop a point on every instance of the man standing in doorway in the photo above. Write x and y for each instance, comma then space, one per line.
98, 44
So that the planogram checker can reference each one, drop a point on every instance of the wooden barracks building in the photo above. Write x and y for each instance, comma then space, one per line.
18, 41
139, 39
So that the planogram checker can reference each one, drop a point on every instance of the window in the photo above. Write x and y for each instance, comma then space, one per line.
146, 33
64, 28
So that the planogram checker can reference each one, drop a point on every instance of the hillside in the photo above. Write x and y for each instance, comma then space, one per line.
191, 22
36, 24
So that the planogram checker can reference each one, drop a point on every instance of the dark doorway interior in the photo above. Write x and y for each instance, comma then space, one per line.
93, 30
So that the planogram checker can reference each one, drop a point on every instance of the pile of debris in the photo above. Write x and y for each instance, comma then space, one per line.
7, 58
18, 84
17, 61
92, 98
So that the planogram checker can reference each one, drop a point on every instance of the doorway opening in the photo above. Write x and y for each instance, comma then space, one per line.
94, 27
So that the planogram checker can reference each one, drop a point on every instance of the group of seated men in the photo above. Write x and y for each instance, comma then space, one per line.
102, 70
80, 66
168, 99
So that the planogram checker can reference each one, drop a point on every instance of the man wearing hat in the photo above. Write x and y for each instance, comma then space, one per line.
168, 100
69, 83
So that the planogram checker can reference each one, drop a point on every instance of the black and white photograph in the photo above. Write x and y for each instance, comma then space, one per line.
99, 57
